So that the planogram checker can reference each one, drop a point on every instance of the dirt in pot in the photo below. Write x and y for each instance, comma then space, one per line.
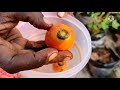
101, 62
103, 56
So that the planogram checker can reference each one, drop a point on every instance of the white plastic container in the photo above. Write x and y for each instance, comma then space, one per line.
81, 49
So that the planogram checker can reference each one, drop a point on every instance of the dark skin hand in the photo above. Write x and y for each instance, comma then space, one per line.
17, 53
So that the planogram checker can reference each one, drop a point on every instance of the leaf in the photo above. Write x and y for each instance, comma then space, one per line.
90, 26
96, 18
95, 27
104, 26
106, 20
115, 24
99, 26
97, 13
92, 14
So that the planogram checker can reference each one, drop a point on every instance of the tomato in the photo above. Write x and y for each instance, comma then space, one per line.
59, 67
60, 36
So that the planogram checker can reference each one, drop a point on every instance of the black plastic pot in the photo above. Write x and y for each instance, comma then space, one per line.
84, 18
99, 70
97, 42
116, 71
103, 71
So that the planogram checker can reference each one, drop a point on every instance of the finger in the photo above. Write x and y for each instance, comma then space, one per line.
61, 14
15, 61
62, 56
26, 59
36, 46
50, 52
41, 23
44, 24
34, 18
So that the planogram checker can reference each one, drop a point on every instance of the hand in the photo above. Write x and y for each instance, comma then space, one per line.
62, 14
17, 53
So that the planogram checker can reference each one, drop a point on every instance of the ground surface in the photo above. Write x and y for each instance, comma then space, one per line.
84, 74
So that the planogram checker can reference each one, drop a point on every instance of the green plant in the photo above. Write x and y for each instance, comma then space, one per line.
101, 21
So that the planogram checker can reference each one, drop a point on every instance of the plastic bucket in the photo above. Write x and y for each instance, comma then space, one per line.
81, 49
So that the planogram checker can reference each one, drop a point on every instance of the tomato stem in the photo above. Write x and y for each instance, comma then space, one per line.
62, 34
61, 63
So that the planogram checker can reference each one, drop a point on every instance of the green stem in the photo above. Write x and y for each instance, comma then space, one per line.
61, 63
62, 34
107, 14
115, 12
101, 15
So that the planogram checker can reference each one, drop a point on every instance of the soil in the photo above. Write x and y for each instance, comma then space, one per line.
102, 55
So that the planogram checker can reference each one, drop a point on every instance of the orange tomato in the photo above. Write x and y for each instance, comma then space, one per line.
60, 36
59, 67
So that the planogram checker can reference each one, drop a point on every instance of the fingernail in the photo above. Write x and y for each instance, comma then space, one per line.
61, 14
67, 59
70, 55
52, 56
